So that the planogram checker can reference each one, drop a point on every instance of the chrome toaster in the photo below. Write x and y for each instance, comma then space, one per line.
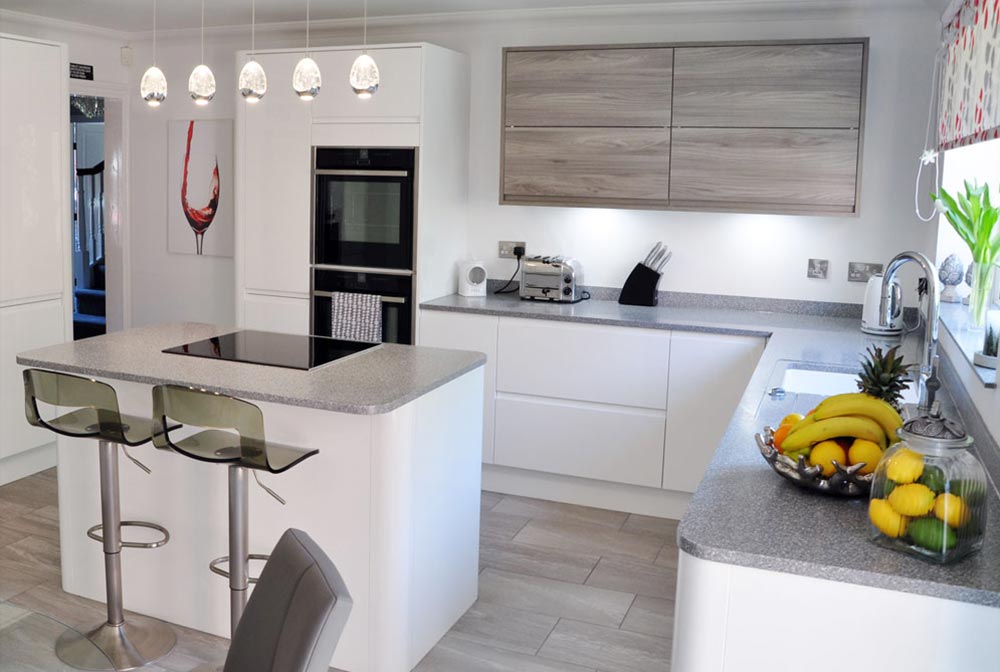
552, 279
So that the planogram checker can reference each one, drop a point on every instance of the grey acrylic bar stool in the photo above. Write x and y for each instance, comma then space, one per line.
232, 433
138, 641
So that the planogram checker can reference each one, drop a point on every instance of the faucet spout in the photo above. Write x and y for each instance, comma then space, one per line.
928, 382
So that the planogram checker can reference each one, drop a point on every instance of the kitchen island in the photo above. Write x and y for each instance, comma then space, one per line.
392, 496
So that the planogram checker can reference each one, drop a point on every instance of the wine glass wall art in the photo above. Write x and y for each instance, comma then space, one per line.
200, 198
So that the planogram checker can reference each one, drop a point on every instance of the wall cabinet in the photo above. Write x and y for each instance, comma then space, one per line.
722, 127
623, 405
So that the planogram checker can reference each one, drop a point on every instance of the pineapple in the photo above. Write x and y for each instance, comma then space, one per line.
882, 375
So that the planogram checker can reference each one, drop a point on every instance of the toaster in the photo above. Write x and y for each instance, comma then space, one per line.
552, 279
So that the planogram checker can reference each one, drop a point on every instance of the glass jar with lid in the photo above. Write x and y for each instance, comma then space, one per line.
928, 496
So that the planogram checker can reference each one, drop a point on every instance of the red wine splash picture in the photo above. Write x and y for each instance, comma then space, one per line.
199, 219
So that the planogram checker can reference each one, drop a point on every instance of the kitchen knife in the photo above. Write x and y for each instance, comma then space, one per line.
663, 262
656, 259
652, 253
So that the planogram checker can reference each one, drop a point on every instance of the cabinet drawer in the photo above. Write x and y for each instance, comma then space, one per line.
584, 362
605, 163
398, 96
588, 87
772, 86
609, 444
785, 167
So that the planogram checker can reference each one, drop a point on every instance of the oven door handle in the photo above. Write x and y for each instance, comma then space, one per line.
385, 299
362, 173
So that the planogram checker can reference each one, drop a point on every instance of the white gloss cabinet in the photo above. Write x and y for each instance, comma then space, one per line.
457, 331
285, 314
398, 95
708, 374
35, 284
276, 167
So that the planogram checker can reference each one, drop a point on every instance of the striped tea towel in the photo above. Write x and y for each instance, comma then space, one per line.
356, 317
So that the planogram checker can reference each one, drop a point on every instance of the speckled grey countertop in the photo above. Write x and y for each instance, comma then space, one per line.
743, 513
368, 383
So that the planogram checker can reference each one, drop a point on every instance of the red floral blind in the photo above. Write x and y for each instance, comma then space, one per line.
970, 82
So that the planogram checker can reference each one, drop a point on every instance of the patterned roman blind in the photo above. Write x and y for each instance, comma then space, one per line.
970, 81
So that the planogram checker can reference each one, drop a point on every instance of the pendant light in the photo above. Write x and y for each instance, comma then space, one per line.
201, 83
253, 81
306, 79
153, 86
364, 72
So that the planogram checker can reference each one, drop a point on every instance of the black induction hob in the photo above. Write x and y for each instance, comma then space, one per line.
288, 351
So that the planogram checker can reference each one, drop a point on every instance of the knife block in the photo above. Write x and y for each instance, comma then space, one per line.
640, 288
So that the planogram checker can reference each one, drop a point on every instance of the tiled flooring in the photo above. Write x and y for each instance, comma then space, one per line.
562, 588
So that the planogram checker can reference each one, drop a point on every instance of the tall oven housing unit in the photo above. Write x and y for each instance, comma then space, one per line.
349, 196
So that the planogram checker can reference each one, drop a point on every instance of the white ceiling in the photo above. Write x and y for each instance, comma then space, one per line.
136, 15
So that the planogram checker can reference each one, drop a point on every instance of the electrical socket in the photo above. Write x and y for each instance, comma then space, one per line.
505, 248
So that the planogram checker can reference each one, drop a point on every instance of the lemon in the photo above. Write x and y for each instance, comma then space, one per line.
904, 466
888, 522
865, 451
912, 499
823, 455
791, 419
951, 509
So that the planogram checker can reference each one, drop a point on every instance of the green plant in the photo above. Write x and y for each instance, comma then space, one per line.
974, 219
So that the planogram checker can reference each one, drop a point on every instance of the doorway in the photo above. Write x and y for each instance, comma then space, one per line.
87, 198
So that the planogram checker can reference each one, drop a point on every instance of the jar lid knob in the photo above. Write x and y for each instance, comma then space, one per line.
935, 426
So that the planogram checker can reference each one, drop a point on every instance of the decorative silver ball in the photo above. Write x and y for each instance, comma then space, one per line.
952, 271
968, 274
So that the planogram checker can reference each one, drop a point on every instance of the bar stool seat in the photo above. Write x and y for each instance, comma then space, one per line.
229, 431
131, 644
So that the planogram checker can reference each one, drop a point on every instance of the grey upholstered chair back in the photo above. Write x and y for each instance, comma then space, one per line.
296, 614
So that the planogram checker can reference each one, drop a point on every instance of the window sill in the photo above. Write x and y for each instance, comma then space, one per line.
955, 318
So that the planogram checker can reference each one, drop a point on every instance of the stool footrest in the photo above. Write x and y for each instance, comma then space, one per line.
214, 565
92, 533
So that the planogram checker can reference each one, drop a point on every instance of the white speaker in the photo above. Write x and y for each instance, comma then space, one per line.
472, 278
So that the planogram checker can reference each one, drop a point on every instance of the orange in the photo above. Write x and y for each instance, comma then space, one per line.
824, 454
780, 434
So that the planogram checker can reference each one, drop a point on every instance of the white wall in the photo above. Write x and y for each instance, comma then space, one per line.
756, 255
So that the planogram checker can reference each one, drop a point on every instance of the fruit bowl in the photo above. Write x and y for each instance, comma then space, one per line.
846, 482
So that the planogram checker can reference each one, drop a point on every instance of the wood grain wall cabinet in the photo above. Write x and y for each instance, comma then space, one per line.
769, 86
739, 127
803, 168
588, 87
587, 163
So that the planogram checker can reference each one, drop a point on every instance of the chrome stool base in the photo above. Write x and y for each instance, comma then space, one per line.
128, 646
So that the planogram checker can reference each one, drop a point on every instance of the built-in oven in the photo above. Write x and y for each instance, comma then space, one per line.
363, 214
395, 289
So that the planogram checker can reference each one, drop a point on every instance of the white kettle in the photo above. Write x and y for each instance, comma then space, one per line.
870, 314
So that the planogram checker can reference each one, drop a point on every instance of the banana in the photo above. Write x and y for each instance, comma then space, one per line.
862, 404
851, 425
803, 423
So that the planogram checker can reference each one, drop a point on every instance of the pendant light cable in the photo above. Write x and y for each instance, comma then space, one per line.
202, 31
364, 26
154, 32
253, 28
307, 26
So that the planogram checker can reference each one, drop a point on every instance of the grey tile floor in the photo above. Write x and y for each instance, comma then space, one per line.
562, 588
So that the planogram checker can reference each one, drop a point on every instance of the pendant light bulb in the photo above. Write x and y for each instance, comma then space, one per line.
364, 73
364, 76
201, 83
306, 78
253, 81
153, 85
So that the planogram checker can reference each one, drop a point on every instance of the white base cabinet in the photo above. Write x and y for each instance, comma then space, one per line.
284, 314
743, 619
582, 410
